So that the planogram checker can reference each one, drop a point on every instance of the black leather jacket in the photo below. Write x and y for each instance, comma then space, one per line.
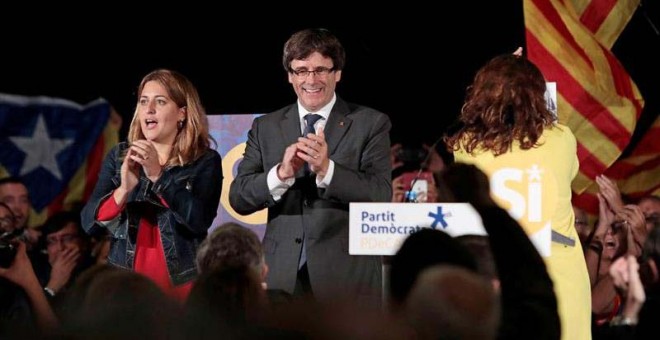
192, 193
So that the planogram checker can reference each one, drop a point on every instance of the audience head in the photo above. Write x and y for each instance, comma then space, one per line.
231, 245
229, 296
450, 302
63, 232
112, 303
422, 250
14, 193
582, 225
650, 206
615, 241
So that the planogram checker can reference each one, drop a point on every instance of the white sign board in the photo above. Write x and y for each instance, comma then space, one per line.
381, 228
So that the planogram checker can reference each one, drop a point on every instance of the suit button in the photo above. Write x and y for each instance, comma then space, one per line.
298, 240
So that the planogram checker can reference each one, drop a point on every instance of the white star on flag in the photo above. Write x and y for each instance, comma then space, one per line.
41, 150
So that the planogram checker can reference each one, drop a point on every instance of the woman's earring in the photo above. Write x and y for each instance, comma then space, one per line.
180, 124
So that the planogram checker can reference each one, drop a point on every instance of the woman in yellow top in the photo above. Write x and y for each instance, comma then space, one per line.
507, 130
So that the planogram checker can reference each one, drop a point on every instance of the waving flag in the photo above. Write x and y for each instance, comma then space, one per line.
55, 146
637, 175
570, 41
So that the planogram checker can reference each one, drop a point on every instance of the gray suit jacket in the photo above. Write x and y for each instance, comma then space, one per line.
359, 144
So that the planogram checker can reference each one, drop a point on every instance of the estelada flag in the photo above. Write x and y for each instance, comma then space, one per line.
55, 146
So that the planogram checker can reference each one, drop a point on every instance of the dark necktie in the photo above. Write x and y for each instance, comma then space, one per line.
310, 120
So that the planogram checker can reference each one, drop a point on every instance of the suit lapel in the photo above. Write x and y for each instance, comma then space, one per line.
290, 126
337, 126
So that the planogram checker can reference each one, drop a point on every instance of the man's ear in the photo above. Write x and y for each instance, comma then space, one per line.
337, 76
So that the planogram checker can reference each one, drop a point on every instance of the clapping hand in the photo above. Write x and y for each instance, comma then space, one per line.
144, 153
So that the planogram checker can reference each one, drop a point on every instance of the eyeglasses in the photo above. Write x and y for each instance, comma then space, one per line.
66, 239
320, 71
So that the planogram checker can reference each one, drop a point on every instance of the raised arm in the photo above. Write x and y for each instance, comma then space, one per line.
529, 305
21, 273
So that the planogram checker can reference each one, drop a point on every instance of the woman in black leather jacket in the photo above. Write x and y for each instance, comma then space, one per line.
158, 194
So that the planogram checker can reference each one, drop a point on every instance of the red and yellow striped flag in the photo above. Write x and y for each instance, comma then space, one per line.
570, 41
637, 175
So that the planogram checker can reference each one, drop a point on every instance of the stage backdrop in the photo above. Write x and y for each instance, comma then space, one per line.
230, 131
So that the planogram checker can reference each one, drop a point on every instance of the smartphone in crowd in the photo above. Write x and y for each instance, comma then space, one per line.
416, 184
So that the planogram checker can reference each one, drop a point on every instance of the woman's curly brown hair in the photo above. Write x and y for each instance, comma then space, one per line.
505, 103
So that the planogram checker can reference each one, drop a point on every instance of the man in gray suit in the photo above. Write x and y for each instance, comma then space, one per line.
306, 180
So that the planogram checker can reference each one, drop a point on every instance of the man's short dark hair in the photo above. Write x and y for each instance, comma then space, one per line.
303, 43
11, 180
60, 220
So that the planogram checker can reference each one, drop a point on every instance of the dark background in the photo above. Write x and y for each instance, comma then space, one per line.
413, 64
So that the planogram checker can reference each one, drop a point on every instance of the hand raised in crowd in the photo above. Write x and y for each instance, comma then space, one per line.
605, 220
313, 149
635, 224
468, 184
62, 267
22, 274
20, 271
610, 192
625, 276
144, 153
595, 253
